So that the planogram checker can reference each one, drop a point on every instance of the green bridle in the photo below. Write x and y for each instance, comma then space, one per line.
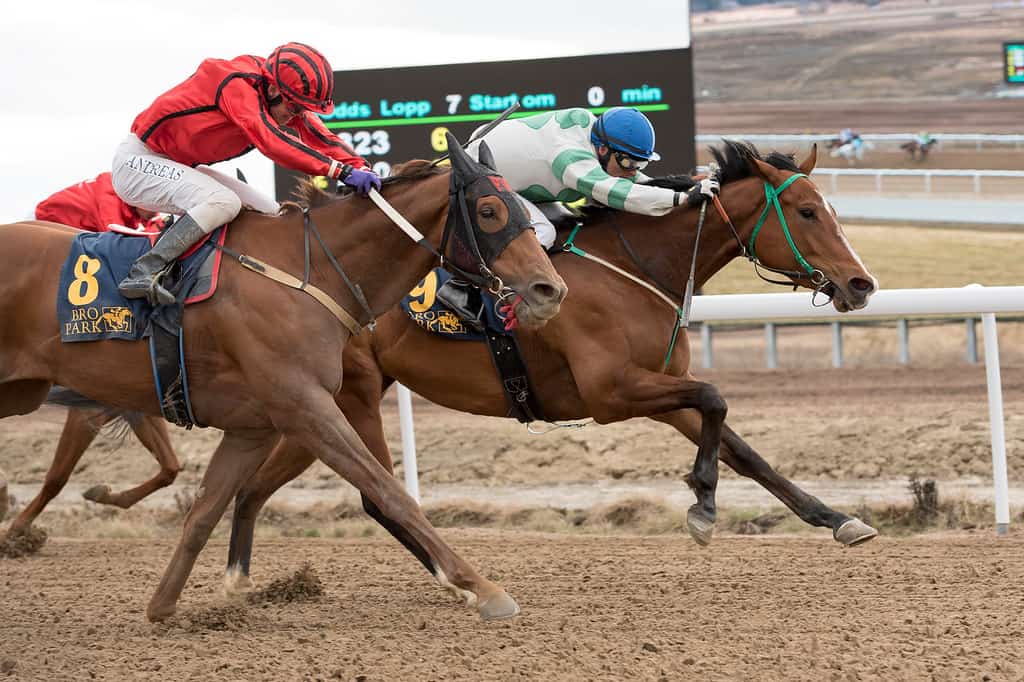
771, 196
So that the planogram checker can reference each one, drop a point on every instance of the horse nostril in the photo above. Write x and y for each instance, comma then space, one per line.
861, 285
544, 291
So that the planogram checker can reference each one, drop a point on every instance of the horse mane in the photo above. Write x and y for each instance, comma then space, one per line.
733, 158
310, 195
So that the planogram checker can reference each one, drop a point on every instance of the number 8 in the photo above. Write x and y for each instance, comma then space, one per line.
85, 271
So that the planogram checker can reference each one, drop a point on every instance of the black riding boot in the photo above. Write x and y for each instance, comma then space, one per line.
463, 299
143, 279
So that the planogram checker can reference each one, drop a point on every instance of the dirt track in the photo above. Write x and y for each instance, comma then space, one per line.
593, 608
876, 422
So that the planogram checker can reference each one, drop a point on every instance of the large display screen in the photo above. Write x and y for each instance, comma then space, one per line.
1013, 58
393, 115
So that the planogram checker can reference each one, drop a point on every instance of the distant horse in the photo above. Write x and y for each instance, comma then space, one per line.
853, 150
263, 359
917, 150
604, 355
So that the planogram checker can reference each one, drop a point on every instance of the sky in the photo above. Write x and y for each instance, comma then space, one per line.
77, 73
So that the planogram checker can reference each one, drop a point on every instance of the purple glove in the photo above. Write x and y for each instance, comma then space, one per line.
362, 181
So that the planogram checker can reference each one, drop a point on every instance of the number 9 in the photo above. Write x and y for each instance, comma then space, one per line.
427, 289
438, 140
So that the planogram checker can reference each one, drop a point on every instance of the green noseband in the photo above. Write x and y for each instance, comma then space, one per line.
771, 195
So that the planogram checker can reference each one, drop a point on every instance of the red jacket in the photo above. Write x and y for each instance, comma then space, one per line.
219, 113
89, 205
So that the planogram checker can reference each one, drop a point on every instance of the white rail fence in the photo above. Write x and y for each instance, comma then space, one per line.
970, 300
977, 139
925, 175
771, 358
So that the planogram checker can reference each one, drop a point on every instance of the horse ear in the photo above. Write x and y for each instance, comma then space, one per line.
807, 165
487, 157
766, 171
462, 163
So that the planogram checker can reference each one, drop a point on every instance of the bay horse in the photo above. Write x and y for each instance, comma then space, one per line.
603, 357
263, 359
918, 148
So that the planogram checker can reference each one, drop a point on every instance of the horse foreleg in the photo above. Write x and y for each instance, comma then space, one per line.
745, 461
320, 427
360, 400
639, 392
237, 457
152, 433
80, 428
286, 463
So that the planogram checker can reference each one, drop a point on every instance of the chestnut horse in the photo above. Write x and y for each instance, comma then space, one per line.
263, 359
80, 428
603, 356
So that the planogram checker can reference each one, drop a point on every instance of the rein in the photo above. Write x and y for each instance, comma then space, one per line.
771, 194
485, 278
322, 297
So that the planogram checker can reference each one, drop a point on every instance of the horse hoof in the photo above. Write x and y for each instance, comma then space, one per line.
498, 607
854, 532
97, 493
156, 613
700, 526
236, 582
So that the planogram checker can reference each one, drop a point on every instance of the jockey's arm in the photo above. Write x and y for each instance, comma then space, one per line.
582, 172
313, 132
244, 107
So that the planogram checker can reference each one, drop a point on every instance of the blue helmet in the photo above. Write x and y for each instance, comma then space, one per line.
625, 130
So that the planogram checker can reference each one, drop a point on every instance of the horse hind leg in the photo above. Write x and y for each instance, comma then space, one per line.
23, 396
744, 460
152, 433
236, 459
5, 500
78, 433
285, 463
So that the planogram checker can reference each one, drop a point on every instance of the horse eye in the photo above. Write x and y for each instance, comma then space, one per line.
487, 212
806, 213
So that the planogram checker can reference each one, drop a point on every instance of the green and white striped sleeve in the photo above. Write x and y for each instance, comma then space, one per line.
580, 170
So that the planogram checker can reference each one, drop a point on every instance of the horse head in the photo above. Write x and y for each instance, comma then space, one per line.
489, 228
797, 234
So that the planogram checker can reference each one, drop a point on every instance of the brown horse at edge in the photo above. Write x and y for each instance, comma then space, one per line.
262, 358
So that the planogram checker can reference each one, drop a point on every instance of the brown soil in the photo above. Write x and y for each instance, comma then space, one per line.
594, 608
858, 423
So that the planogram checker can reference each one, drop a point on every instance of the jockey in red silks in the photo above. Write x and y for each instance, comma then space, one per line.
91, 205
223, 110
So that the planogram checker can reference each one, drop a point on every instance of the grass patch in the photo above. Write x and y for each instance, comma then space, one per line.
909, 257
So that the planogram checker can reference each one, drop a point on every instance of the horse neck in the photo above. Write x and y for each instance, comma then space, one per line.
665, 244
743, 200
375, 253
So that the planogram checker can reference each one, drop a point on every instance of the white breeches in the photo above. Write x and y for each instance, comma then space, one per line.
145, 179
540, 223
